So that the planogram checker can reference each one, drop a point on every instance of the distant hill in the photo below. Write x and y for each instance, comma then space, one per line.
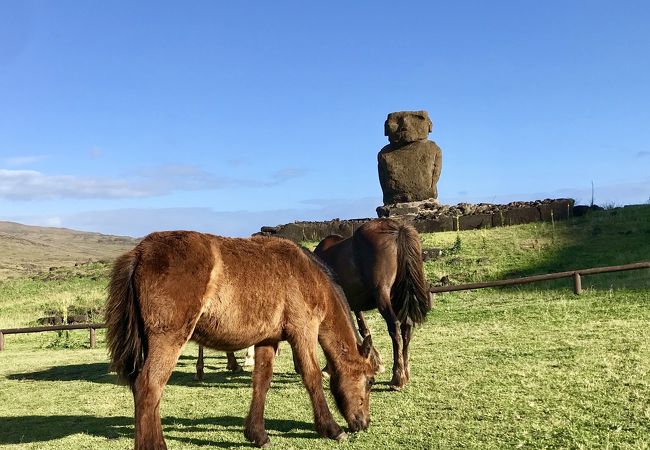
26, 249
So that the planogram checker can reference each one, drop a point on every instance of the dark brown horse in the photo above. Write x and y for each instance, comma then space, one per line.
228, 294
380, 266
231, 361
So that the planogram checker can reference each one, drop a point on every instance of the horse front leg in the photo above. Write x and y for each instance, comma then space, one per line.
364, 330
254, 429
304, 351
393, 324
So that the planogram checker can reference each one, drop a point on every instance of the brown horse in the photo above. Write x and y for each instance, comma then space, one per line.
380, 266
228, 294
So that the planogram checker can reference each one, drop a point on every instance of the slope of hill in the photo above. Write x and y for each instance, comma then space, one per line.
602, 238
26, 250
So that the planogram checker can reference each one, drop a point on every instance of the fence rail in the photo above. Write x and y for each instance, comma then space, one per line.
575, 274
92, 327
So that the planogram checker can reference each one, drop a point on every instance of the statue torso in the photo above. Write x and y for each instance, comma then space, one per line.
406, 173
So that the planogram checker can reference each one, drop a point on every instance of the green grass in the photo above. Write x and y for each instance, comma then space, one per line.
25, 300
524, 367
503, 369
605, 238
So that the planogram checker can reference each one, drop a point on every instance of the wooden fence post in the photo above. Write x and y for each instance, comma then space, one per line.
2, 341
577, 283
93, 337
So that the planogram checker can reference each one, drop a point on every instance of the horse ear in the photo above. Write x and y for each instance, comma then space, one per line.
366, 347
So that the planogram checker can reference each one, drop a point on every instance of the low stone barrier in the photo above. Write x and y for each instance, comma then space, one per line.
432, 217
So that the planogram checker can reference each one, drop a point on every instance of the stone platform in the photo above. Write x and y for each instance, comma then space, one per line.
430, 216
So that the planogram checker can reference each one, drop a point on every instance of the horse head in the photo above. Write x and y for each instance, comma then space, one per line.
327, 243
350, 386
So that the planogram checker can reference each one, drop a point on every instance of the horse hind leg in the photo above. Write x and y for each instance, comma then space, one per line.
163, 353
407, 330
254, 428
232, 364
200, 364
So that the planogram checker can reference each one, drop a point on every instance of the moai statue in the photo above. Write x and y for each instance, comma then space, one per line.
409, 167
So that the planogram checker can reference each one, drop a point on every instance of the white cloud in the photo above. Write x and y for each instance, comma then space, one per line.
52, 221
34, 185
283, 175
20, 161
30, 185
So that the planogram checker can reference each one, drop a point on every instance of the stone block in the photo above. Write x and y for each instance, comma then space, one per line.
434, 225
522, 215
475, 221
561, 209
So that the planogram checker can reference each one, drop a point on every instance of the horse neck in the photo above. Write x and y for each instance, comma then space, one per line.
338, 337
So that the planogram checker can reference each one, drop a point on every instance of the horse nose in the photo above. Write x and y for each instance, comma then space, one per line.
359, 424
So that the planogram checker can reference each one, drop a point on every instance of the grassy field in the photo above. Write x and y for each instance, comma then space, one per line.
605, 238
527, 367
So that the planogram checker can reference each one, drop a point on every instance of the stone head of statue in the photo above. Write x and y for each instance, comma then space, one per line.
407, 126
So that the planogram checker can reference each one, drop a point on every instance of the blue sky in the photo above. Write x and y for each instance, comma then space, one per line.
130, 117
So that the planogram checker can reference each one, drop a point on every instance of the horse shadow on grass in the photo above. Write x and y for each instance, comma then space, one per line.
100, 373
31, 429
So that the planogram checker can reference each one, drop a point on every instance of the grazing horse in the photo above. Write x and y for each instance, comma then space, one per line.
380, 266
228, 294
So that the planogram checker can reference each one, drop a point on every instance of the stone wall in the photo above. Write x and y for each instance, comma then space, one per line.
434, 217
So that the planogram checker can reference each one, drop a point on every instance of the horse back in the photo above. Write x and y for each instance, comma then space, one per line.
230, 292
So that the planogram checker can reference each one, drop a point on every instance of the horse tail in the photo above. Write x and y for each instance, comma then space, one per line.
125, 336
410, 291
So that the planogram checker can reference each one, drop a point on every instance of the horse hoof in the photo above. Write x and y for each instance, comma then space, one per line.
396, 388
326, 374
341, 437
261, 443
